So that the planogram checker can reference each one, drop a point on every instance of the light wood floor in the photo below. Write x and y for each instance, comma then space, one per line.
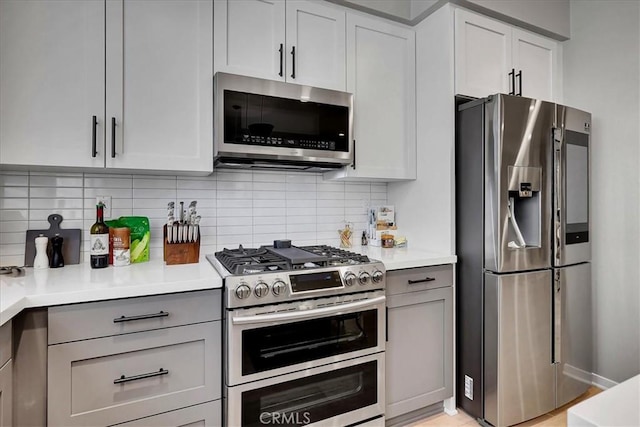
557, 418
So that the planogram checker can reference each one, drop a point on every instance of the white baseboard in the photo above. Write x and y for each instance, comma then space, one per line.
602, 382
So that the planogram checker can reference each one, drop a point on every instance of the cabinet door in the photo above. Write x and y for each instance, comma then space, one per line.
52, 82
204, 415
419, 352
160, 85
250, 38
316, 34
482, 55
381, 75
6, 394
536, 58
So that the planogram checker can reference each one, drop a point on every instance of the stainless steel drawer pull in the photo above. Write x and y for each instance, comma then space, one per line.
427, 279
124, 379
140, 317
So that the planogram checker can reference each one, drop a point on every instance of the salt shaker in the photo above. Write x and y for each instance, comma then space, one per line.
41, 260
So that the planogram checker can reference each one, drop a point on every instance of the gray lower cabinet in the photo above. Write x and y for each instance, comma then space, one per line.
5, 394
6, 376
154, 376
419, 348
204, 415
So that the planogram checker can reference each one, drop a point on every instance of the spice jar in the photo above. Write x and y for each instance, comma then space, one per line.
387, 240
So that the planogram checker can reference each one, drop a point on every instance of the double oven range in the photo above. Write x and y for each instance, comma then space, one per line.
304, 336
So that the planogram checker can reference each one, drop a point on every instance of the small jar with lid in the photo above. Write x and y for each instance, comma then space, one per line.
387, 240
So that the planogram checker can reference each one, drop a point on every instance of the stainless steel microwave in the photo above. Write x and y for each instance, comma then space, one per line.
268, 124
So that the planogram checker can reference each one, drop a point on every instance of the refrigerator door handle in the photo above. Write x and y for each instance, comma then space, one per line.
557, 319
558, 193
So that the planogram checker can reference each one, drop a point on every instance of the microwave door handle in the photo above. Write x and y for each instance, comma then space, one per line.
306, 314
353, 165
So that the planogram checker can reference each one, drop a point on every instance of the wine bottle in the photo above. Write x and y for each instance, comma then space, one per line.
99, 240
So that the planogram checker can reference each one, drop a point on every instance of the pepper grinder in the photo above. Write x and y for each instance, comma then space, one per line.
56, 256
41, 260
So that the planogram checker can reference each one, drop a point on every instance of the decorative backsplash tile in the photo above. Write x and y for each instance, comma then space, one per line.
237, 207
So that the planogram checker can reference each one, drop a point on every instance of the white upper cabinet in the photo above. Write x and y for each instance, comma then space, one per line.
493, 57
296, 41
143, 68
381, 76
52, 83
160, 85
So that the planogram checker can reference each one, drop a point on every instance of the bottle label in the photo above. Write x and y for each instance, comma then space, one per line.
99, 244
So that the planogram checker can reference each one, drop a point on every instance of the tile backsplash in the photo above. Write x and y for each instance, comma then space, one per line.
237, 207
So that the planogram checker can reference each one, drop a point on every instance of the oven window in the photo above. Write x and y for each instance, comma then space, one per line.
277, 346
251, 119
311, 399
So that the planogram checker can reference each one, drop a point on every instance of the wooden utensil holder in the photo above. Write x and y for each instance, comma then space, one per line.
180, 253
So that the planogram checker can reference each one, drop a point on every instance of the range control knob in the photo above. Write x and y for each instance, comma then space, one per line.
278, 287
377, 276
243, 291
350, 279
261, 289
364, 278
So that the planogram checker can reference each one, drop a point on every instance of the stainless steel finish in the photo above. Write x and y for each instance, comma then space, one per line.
278, 287
234, 394
573, 332
270, 155
241, 289
517, 151
518, 371
568, 119
377, 276
278, 314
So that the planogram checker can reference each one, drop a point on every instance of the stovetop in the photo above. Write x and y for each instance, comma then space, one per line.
241, 261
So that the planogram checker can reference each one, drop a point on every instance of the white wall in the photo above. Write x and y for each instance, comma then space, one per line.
601, 75
237, 207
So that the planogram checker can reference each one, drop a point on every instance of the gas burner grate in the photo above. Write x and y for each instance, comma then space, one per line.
248, 261
337, 256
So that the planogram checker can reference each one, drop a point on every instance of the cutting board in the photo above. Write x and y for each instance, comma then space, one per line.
70, 244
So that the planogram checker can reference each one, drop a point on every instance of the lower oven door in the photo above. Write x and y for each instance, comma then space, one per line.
338, 394
302, 335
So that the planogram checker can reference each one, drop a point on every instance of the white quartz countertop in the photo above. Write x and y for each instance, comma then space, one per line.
80, 283
617, 406
399, 258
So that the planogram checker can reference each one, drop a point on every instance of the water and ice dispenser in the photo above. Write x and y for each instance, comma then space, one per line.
525, 208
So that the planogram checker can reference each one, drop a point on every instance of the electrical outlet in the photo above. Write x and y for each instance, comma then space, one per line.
106, 201
468, 387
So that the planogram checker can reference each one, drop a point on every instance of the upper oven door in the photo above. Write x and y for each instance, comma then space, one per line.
571, 187
265, 119
262, 343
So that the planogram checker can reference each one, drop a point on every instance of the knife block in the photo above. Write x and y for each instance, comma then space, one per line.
180, 253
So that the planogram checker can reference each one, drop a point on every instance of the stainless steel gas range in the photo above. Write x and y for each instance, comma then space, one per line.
304, 336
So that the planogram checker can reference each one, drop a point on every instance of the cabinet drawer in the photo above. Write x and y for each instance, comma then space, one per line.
205, 415
105, 318
115, 379
419, 279
5, 343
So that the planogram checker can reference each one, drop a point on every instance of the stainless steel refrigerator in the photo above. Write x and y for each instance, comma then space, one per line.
522, 239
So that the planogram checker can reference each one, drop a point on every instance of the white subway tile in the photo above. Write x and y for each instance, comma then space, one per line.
233, 176
332, 227
292, 187
12, 238
309, 204
330, 219
154, 193
55, 180
301, 227
301, 195
14, 192
357, 187
266, 220
223, 212
152, 213
235, 203
377, 187
242, 220
362, 203
301, 238
233, 240
67, 223
266, 239
307, 212
270, 229
196, 195
332, 187
14, 179
56, 204
196, 184
269, 176
271, 203
14, 215
14, 252
301, 219
107, 182
230, 195
269, 186
121, 193
66, 214
14, 203
234, 185
269, 195
324, 198
154, 182
58, 192
302, 178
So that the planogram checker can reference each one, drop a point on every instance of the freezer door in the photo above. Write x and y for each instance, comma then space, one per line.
519, 375
572, 331
518, 183
571, 142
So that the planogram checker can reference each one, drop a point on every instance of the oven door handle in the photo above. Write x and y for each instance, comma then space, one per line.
306, 314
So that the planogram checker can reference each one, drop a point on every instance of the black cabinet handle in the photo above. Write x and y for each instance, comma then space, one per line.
293, 62
386, 324
94, 125
140, 317
113, 137
427, 279
353, 165
281, 52
124, 379
519, 77
512, 74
